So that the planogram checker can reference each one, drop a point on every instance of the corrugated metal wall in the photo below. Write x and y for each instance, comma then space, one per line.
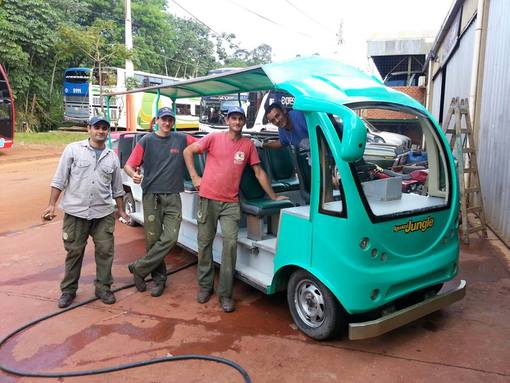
436, 96
458, 71
494, 137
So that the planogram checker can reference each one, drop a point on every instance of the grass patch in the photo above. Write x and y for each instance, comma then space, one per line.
49, 138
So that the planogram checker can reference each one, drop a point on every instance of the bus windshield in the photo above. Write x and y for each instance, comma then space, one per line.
397, 180
214, 108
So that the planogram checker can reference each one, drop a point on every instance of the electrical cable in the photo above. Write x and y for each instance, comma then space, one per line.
196, 18
308, 16
270, 20
173, 358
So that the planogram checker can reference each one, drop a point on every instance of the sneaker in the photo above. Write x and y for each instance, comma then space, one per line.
203, 295
138, 280
65, 300
227, 304
106, 297
158, 289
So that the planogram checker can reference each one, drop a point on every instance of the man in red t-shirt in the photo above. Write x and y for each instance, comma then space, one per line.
227, 155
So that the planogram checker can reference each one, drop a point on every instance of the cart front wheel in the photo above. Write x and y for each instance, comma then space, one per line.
314, 309
129, 207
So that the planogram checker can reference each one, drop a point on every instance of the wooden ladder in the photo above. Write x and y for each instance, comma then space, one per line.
462, 145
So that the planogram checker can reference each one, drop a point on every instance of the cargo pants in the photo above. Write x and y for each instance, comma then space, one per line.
75, 232
162, 214
208, 215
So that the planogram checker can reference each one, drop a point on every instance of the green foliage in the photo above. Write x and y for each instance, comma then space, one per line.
132, 83
40, 38
95, 41
27, 42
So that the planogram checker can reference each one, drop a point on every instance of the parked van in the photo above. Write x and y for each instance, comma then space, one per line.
354, 248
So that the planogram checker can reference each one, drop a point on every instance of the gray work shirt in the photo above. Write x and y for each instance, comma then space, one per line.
88, 185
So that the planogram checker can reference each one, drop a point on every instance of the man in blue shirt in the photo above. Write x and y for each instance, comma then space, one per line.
291, 125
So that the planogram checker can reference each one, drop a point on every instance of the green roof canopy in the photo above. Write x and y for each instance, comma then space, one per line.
315, 82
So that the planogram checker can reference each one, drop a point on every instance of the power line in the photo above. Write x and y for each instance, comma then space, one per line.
310, 17
269, 20
257, 14
196, 18
205, 25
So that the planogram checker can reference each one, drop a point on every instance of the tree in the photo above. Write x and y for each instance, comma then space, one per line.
221, 40
91, 33
194, 51
26, 44
261, 55
96, 43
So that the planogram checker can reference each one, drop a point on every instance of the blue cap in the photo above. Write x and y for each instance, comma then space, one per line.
166, 111
97, 119
235, 109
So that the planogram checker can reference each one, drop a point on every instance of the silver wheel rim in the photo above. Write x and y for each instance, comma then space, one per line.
129, 208
309, 303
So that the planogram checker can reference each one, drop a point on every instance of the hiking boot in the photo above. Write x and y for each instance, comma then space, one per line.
138, 280
106, 297
158, 289
227, 304
65, 300
203, 295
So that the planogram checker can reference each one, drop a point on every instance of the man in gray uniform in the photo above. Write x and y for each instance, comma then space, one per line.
89, 175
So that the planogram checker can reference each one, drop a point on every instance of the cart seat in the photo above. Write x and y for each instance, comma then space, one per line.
264, 162
199, 166
282, 168
256, 205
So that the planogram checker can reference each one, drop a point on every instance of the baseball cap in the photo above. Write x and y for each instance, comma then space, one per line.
235, 109
166, 111
96, 119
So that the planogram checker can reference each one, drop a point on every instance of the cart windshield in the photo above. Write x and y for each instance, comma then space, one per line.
394, 179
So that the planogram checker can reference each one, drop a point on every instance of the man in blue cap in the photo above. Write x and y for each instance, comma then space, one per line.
228, 153
160, 154
89, 175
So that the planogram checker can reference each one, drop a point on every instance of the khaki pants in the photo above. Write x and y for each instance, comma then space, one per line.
162, 215
75, 232
229, 215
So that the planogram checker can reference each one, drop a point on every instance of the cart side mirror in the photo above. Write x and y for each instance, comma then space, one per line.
354, 137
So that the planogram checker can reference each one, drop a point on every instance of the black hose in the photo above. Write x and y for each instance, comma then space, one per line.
39, 374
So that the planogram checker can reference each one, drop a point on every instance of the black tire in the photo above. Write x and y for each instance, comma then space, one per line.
129, 207
314, 309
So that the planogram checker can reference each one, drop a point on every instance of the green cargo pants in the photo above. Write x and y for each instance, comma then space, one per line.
162, 214
75, 232
208, 215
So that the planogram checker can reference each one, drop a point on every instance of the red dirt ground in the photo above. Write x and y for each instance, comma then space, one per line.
468, 342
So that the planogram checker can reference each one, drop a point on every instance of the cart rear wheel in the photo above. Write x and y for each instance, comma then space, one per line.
129, 207
314, 309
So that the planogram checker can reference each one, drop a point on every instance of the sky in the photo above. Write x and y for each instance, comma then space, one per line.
306, 27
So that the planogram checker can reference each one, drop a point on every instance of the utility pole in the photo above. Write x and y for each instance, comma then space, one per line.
340, 34
340, 37
130, 111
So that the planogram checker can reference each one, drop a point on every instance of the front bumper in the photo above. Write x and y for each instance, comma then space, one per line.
373, 328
